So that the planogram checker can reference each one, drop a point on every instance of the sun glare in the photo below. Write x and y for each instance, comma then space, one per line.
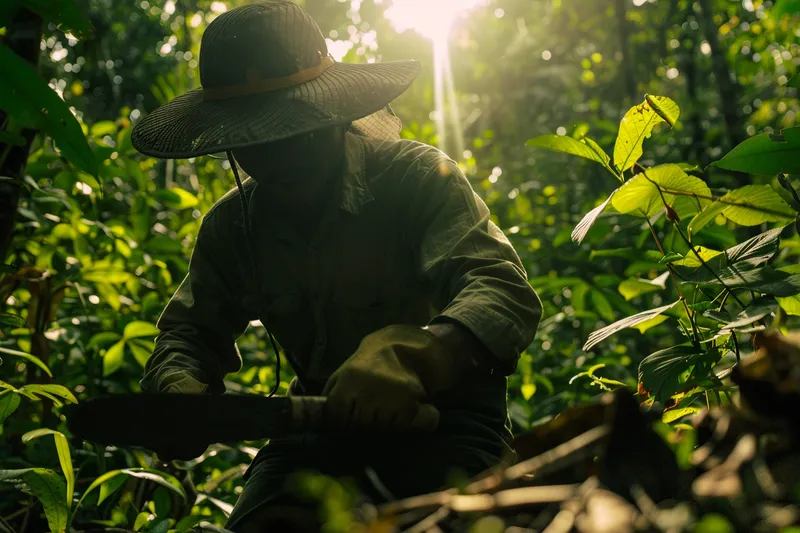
431, 18
434, 19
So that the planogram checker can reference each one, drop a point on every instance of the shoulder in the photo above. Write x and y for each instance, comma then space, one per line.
226, 213
406, 163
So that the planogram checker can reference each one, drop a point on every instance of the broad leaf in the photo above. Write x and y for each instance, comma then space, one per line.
646, 193
34, 103
49, 488
103, 339
112, 360
139, 328
64, 457
765, 154
568, 145
753, 313
602, 305
51, 390
636, 126
176, 198
628, 322
750, 205
647, 324
141, 350
691, 260
63, 13
790, 304
28, 357
674, 414
9, 401
659, 373
110, 487
7, 320
631, 288
588, 221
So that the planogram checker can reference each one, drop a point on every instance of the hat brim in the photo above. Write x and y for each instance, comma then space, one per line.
189, 126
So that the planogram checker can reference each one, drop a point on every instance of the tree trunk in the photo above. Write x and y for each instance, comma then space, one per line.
726, 83
23, 36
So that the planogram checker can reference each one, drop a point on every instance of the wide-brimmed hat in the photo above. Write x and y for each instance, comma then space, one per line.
266, 75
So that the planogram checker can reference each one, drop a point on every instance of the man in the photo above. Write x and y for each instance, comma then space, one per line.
370, 258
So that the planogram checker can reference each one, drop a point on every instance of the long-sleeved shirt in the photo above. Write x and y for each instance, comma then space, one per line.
404, 239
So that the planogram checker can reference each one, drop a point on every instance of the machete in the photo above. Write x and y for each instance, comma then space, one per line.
158, 421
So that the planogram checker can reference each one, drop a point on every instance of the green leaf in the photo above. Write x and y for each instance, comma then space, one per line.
112, 360
110, 487
179, 198
49, 488
568, 145
750, 205
765, 154
103, 339
28, 357
631, 288
51, 389
588, 221
674, 414
64, 457
647, 324
640, 195
141, 350
602, 305
627, 322
753, 313
790, 304
9, 401
33, 103
528, 390
161, 478
164, 244
636, 126
691, 260
794, 82
106, 274
11, 137
659, 372
139, 328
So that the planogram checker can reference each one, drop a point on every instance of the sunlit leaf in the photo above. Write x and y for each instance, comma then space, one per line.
636, 126
674, 414
659, 372
51, 389
103, 339
766, 154
753, 313
110, 487
528, 390
9, 401
631, 288
140, 328
646, 193
588, 221
112, 360
161, 478
64, 456
106, 275
627, 322
176, 198
141, 350
790, 304
28, 357
647, 324
585, 148
49, 487
691, 260
28, 96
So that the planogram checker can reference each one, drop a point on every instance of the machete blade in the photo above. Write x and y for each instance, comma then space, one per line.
156, 421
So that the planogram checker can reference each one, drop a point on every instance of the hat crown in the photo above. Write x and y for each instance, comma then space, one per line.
268, 39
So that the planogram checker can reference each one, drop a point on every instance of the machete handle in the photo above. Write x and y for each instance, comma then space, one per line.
308, 413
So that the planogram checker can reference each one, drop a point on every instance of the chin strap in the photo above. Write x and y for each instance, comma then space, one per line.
245, 204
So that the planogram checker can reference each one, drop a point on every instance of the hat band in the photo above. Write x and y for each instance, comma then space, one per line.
268, 84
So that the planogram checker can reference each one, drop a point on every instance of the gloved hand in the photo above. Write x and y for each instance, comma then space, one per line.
385, 383
181, 382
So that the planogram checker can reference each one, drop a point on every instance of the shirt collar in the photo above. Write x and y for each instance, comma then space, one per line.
354, 193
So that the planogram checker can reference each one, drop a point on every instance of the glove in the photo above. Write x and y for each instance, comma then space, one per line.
384, 383
181, 382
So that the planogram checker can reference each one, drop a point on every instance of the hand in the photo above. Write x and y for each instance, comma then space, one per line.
181, 382
379, 386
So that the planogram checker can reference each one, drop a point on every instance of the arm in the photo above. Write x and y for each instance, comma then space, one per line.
489, 312
199, 326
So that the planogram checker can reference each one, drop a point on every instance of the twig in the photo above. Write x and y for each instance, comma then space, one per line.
430, 521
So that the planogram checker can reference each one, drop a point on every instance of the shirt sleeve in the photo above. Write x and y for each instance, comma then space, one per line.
478, 278
201, 322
